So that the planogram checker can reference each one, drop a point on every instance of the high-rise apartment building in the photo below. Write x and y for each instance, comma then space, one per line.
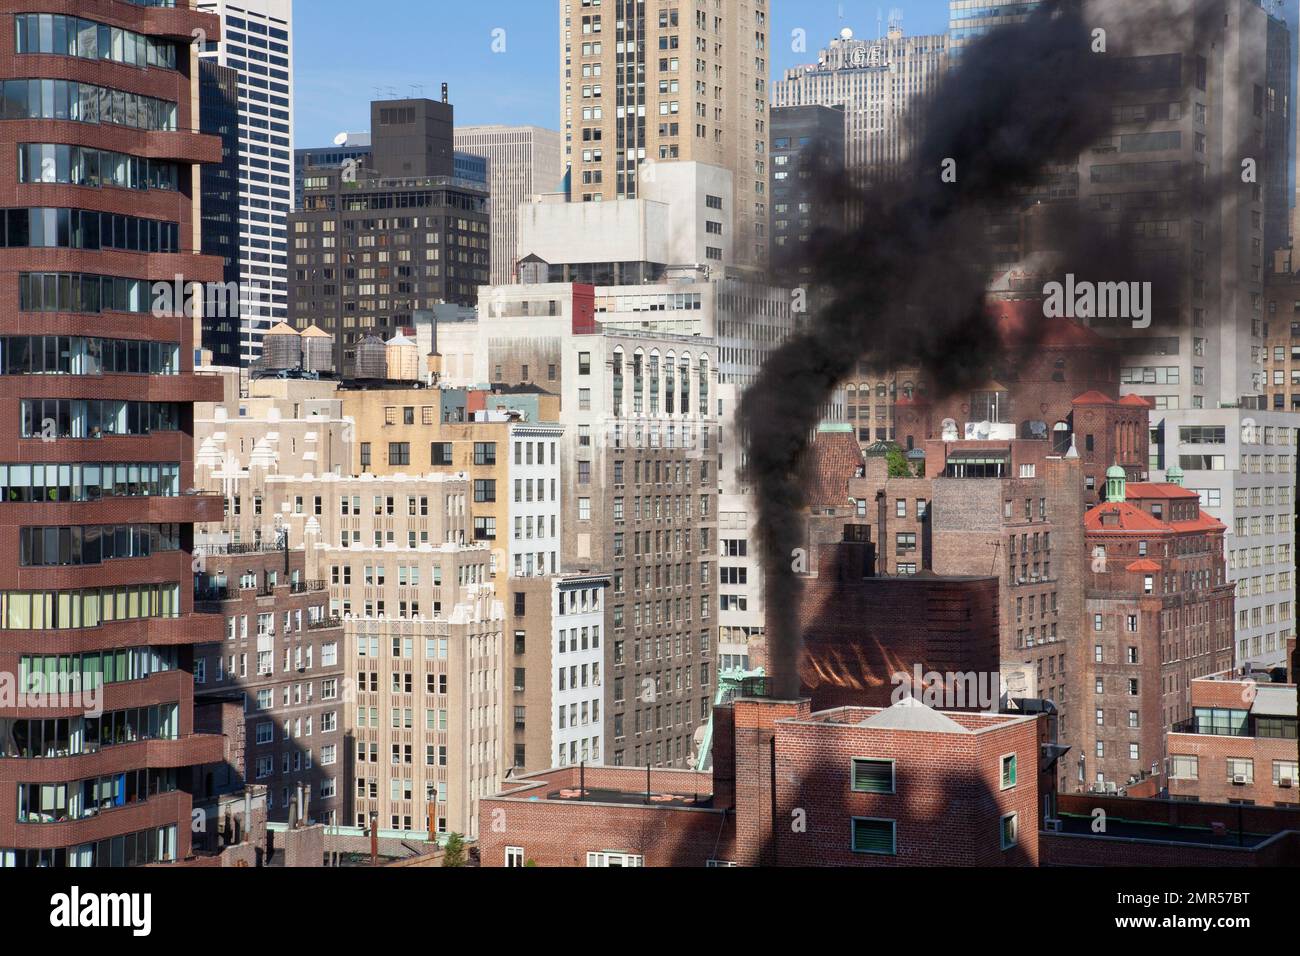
373, 245
96, 394
876, 82
257, 41
284, 656
1158, 614
523, 161
638, 495
1184, 103
641, 85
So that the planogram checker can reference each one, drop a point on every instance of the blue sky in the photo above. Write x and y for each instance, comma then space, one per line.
346, 55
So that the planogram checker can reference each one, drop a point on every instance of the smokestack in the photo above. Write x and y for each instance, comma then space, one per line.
374, 838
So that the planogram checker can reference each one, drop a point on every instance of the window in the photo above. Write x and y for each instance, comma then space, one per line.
615, 859
1185, 767
873, 776
1008, 771
514, 856
870, 835
399, 453
1010, 830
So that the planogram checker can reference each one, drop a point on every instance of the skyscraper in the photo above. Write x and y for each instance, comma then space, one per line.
98, 388
1184, 104
522, 161
642, 86
801, 137
970, 19
257, 41
876, 82
361, 269
219, 185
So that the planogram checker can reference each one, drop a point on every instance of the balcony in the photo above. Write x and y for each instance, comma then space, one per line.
324, 623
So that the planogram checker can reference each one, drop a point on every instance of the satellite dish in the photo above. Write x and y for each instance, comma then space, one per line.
983, 430
341, 139
846, 33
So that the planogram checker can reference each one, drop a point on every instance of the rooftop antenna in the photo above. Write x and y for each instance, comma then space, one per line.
379, 92
392, 92
417, 91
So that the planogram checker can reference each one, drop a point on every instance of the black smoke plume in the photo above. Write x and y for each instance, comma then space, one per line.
905, 284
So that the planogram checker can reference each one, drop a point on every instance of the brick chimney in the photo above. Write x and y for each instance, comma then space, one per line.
724, 757
754, 773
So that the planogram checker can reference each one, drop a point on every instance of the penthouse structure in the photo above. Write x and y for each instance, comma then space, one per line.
1239, 744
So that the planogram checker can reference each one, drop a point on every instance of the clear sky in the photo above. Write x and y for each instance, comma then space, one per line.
348, 53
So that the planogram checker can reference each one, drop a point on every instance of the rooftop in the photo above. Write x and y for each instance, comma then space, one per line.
911, 714
630, 798
1119, 829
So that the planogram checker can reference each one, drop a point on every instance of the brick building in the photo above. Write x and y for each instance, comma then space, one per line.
860, 630
1239, 745
97, 182
1159, 614
283, 656
904, 785
1006, 509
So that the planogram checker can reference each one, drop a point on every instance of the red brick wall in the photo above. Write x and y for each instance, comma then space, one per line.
561, 833
857, 634
1212, 784
947, 806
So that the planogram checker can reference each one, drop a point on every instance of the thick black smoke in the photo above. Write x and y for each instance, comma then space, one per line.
906, 283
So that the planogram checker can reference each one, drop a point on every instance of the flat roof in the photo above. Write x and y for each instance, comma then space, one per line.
1120, 829
630, 798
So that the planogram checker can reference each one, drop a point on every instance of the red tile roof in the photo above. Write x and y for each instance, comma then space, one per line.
833, 458
1093, 397
1136, 400
1137, 490
1130, 518
1203, 523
